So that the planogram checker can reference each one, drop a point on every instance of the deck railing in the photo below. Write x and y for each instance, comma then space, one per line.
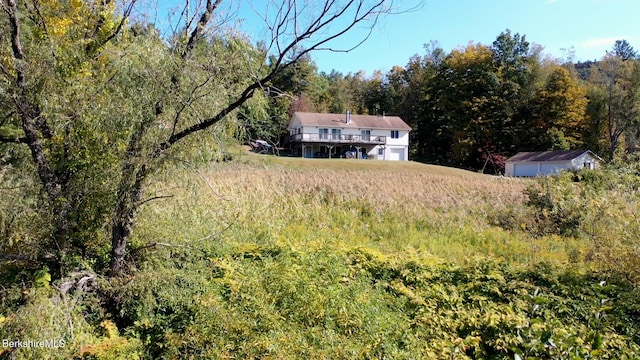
338, 138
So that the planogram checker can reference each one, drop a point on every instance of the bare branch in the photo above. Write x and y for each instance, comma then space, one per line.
198, 32
155, 198
358, 18
187, 103
153, 245
29, 113
16, 45
125, 16
38, 18
246, 95
13, 140
216, 234
9, 257
13, 258
274, 92
81, 281
328, 15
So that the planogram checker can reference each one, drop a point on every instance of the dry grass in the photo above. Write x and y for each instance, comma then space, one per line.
391, 185
385, 189
395, 208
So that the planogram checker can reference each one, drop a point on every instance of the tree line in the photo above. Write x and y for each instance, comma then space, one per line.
478, 104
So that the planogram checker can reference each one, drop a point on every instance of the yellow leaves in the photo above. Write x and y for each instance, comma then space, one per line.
111, 331
59, 26
84, 73
42, 277
204, 300
472, 54
563, 101
7, 63
112, 346
77, 4
398, 287
143, 323
51, 4
72, 24
61, 17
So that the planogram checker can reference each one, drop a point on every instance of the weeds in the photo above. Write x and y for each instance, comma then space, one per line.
271, 260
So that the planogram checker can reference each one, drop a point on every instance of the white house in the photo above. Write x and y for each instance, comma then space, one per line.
348, 135
550, 162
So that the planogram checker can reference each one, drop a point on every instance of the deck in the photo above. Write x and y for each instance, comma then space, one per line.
337, 139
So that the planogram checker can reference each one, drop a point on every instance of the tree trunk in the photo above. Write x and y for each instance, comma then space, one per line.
129, 195
120, 233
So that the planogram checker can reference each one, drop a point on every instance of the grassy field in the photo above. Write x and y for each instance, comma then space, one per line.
287, 258
355, 164
396, 207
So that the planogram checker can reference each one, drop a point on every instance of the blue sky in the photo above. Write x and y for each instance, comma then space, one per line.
589, 26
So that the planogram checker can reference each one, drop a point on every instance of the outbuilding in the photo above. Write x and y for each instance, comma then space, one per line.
550, 162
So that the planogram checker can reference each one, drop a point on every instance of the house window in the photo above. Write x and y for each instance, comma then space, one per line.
380, 151
323, 134
395, 134
366, 135
588, 165
335, 134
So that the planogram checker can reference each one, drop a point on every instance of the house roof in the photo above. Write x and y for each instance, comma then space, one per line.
357, 121
544, 156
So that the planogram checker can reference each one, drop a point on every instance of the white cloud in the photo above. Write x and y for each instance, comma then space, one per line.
550, 1
600, 42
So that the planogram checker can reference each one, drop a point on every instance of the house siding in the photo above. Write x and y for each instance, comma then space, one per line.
391, 145
580, 161
527, 168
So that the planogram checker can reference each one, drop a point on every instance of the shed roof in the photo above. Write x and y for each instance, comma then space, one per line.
357, 121
544, 156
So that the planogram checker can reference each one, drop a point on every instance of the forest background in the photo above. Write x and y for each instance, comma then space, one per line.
482, 102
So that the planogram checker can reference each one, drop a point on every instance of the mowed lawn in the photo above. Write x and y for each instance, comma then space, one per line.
357, 164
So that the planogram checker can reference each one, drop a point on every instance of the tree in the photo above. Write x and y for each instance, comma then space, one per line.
374, 94
559, 114
394, 87
595, 137
337, 92
620, 81
623, 50
515, 65
267, 115
78, 82
420, 106
467, 88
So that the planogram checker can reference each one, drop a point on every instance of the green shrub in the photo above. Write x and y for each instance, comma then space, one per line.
249, 263
600, 206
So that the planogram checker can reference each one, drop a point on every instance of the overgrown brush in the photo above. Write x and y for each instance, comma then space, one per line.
259, 261
598, 206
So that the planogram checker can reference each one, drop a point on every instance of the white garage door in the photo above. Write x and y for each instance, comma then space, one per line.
525, 169
396, 154
552, 169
